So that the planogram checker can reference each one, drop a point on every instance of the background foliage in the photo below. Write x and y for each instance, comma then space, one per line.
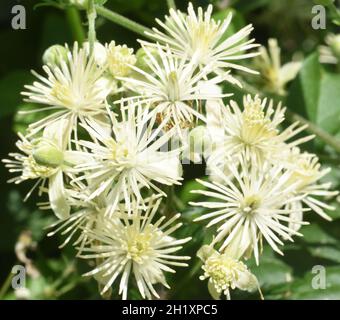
315, 94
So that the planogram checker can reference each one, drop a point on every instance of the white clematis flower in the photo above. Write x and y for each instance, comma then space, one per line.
250, 204
224, 272
130, 157
74, 90
46, 160
306, 172
172, 88
138, 244
199, 36
254, 133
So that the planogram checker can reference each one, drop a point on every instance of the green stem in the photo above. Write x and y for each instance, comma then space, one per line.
292, 117
314, 129
6, 285
171, 4
122, 21
91, 16
74, 21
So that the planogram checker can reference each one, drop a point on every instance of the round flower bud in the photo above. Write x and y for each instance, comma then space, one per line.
54, 55
99, 52
46, 154
142, 58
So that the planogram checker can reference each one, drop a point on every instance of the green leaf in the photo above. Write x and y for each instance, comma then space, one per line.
186, 195
314, 234
332, 293
22, 120
328, 111
272, 272
304, 94
315, 93
329, 253
303, 288
10, 87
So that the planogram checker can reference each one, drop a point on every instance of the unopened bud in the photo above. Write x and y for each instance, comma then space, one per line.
99, 52
47, 154
54, 55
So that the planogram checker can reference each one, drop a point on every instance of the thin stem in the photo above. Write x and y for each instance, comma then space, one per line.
74, 21
123, 21
6, 285
292, 117
312, 128
171, 4
91, 17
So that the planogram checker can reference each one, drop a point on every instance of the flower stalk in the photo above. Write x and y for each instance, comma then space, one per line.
91, 16
171, 4
122, 21
74, 21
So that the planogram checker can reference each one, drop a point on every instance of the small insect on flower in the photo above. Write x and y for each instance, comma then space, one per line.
172, 87
74, 89
46, 159
136, 244
199, 36
130, 157
254, 133
250, 204
224, 272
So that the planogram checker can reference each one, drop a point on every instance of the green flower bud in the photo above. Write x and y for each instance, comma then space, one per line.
46, 154
54, 55
142, 58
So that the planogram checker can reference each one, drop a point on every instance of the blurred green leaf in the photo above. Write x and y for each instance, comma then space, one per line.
272, 272
329, 253
185, 193
304, 94
303, 288
22, 120
316, 93
10, 87
314, 234
328, 110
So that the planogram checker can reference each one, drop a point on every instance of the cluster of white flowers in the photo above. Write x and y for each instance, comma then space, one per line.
115, 135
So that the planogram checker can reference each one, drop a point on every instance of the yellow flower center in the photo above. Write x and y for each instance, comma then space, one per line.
223, 271
67, 97
256, 126
139, 247
250, 204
